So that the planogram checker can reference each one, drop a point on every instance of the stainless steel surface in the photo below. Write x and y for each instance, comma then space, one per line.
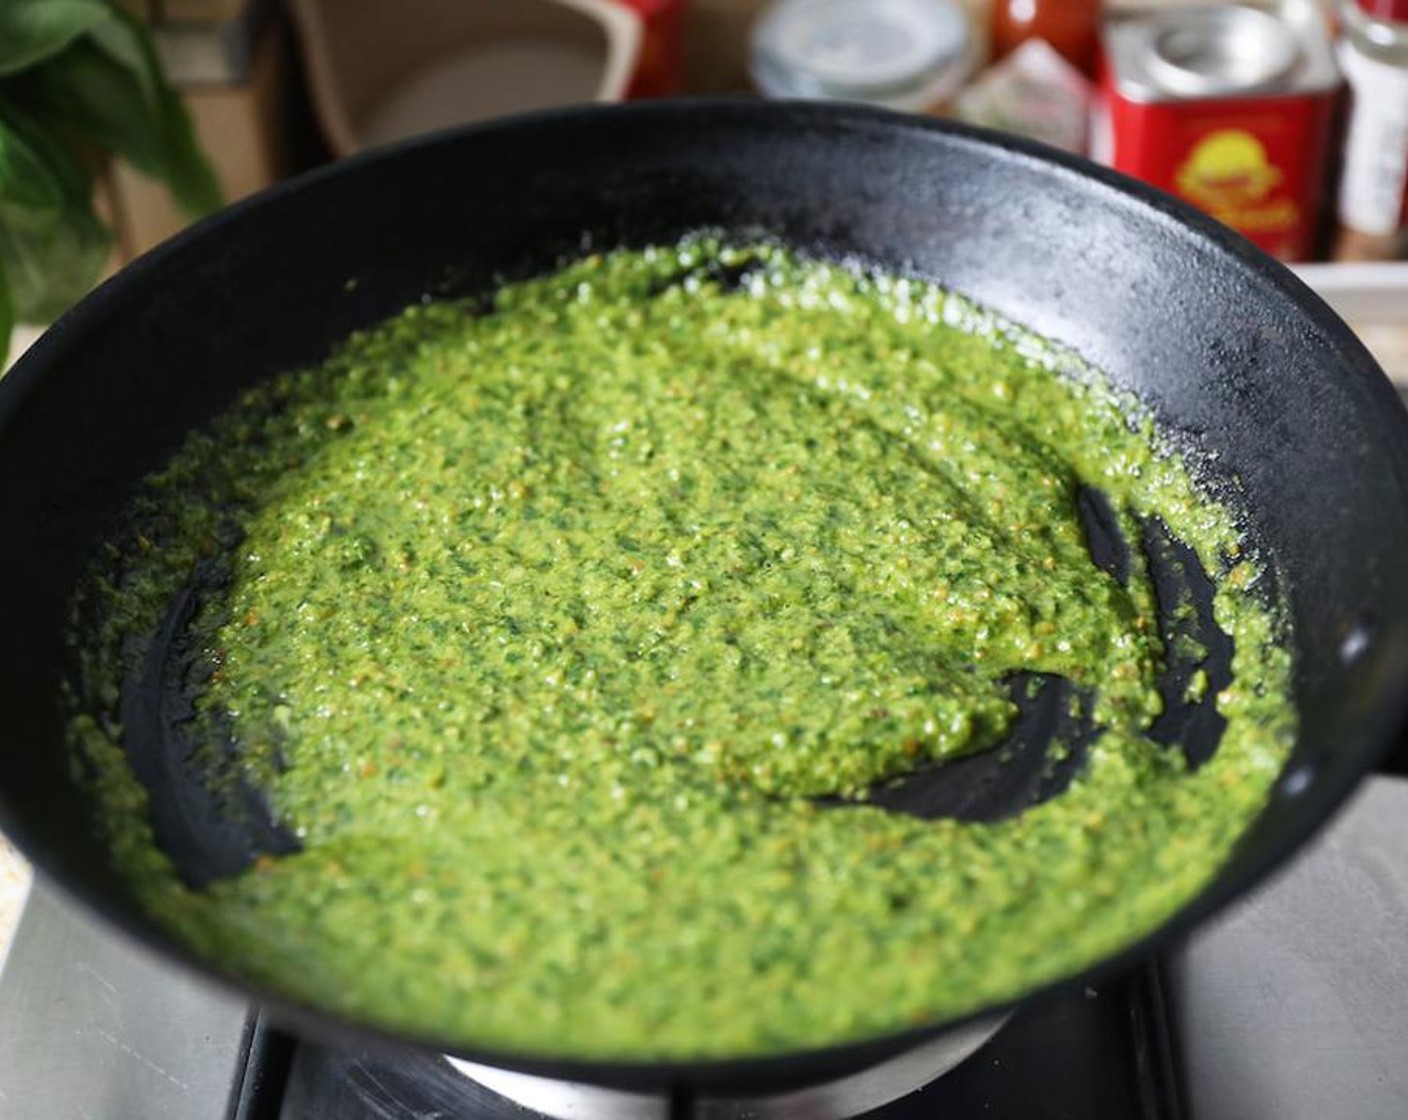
91, 1028
1295, 1005
879, 1085
833, 1100
1209, 51
564, 1100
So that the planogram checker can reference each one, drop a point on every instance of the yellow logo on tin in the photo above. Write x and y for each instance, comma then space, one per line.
1227, 168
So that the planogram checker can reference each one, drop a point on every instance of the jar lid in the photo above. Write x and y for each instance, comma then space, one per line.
1395, 11
900, 53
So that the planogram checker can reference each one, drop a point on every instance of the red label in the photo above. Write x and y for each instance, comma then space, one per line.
660, 69
1255, 164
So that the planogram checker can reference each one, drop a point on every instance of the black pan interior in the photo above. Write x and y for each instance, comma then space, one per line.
1284, 407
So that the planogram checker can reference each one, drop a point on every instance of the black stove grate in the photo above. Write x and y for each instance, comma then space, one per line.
1106, 1054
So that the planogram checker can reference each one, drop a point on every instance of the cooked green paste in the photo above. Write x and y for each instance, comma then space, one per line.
544, 627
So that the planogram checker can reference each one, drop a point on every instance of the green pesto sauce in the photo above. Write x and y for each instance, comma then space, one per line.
547, 623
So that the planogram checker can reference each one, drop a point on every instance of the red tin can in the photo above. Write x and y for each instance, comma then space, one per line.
1228, 107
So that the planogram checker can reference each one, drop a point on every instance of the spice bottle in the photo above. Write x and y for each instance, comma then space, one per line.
1070, 26
1373, 195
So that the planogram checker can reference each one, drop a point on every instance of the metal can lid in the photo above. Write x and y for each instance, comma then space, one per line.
900, 53
1206, 51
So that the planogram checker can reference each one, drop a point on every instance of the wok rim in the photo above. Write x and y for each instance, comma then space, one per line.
1316, 803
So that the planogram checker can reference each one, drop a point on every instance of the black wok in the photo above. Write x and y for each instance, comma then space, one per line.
1224, 345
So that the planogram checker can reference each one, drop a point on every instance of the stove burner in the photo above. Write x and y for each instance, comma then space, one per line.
832, 1100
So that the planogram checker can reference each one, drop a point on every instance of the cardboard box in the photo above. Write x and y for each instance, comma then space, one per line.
716, 45
241, 128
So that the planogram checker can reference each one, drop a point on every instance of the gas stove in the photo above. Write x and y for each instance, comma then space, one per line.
1293, 1005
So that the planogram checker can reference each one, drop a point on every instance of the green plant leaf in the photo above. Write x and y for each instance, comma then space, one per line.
124, 40
108, 86
30, 189
52, 246
51, 268
33, 30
